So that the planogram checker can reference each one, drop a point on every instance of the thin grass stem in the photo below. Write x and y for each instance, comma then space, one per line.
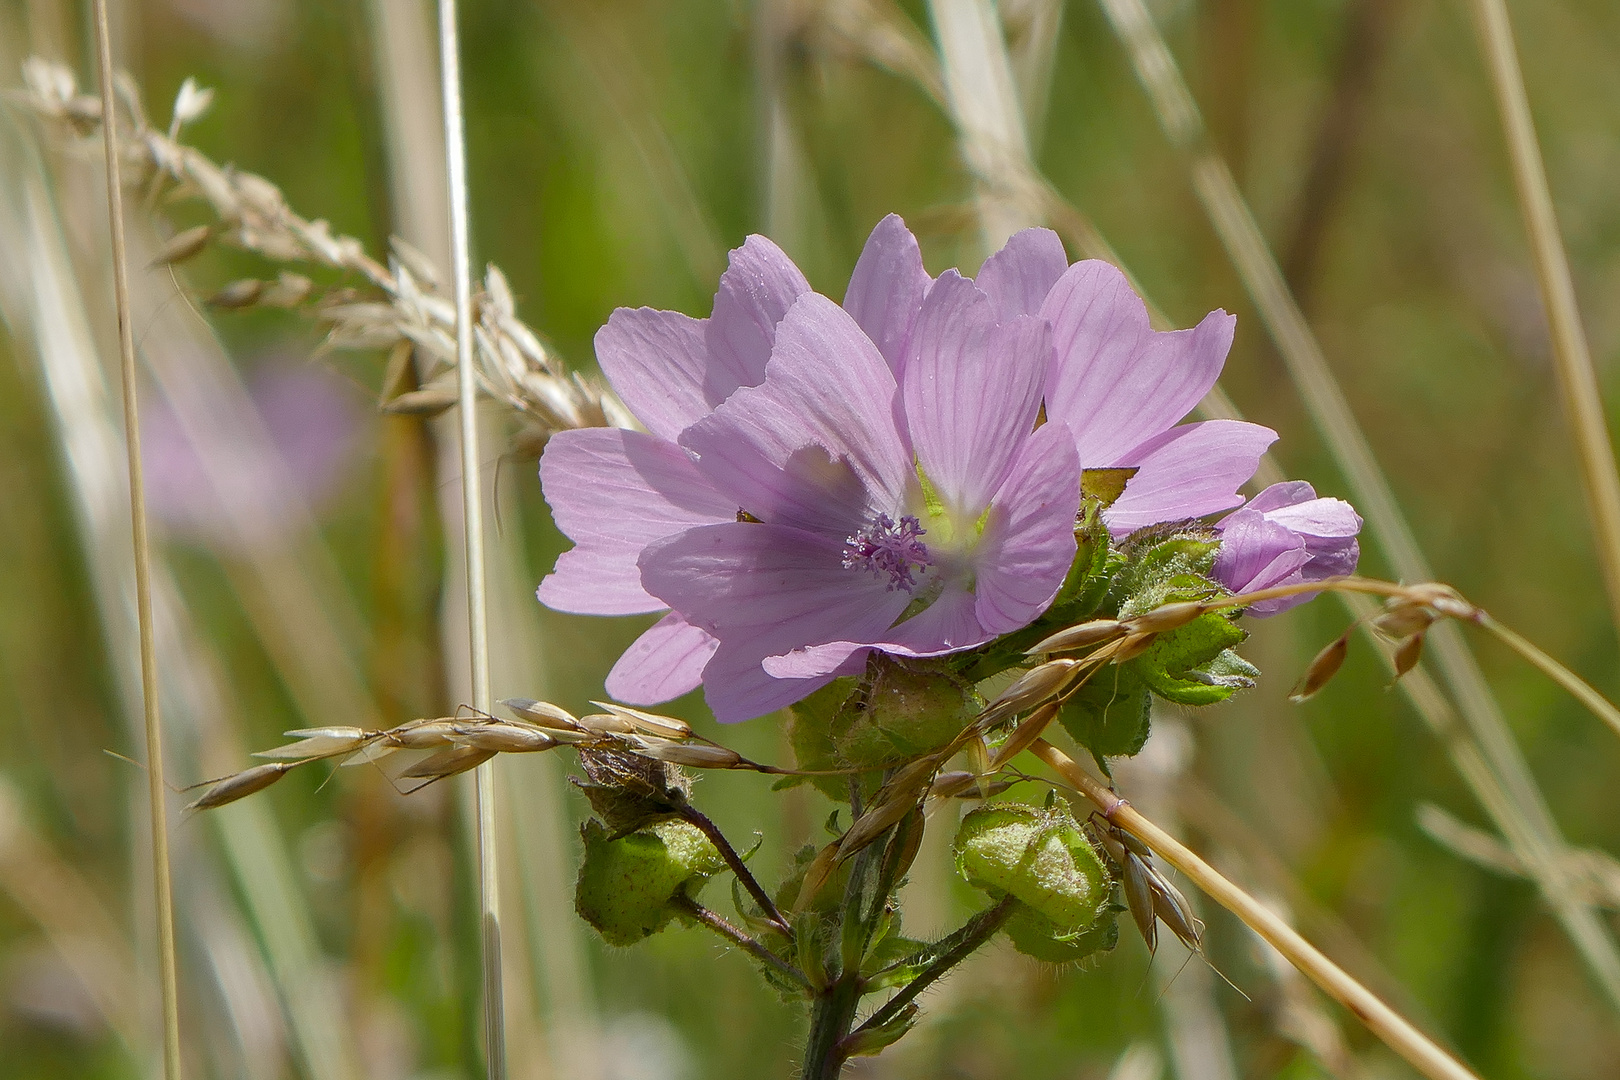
1511, 789
1426, 1056
162, 881
1558, 673
455, 151
1572, 358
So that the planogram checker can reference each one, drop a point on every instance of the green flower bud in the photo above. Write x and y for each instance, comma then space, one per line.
1039, 856
909, 709
626, 884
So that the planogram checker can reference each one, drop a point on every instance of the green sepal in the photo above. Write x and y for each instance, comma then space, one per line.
1038, 937
626, 883
1089, 576
1194, 664
868, 1041
1164, 564
811, 733
1109, 715
1039, 856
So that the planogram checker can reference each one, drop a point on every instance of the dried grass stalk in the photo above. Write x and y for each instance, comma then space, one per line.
1572, 359
162, 883
511, 364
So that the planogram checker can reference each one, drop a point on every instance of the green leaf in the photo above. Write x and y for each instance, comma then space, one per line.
1109, 714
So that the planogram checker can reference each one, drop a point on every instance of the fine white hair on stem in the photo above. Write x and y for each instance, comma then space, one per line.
161, 877
1572, 359
455, 153
1492, 762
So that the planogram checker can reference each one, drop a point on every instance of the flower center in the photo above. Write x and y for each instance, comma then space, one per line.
889, 548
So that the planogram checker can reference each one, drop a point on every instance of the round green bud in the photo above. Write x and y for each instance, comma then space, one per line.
626, 884
909, 709
1039, 856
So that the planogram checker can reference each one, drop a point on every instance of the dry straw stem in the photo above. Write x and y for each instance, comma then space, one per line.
1396, 1032
1493, 764
1572, 359
161, 875
250, 212
455, 149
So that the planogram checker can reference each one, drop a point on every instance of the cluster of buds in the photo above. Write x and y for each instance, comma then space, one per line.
411, 319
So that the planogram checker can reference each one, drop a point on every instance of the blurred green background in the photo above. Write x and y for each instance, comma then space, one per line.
617, 149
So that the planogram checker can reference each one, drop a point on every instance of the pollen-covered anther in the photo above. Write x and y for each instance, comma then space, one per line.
890, 549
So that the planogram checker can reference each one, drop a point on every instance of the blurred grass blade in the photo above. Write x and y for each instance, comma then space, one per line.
57, 323
1572, 359
979, 89
1501, 778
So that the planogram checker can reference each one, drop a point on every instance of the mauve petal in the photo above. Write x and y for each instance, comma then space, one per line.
1018, 277
814, 661
1028, 543
756, 291
1187, 472
1329, 519
816, 444
1281, 494
947, 625
1159, 386
887, 288
1322, 532
972, 389
743, 581
657, 362
764, 590
737, 688
612, 492
1257, 553
1099, 325
662, 664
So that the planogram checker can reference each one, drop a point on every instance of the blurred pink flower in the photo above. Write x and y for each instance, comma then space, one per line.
263, 470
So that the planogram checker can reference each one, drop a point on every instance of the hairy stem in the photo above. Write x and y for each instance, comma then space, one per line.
741, 939
832, 1014
957, 947
738, 867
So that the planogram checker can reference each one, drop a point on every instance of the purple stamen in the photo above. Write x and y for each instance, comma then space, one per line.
888, 548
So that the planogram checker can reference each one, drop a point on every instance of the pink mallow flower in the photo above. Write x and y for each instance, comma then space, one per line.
818, 481
1286, 535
